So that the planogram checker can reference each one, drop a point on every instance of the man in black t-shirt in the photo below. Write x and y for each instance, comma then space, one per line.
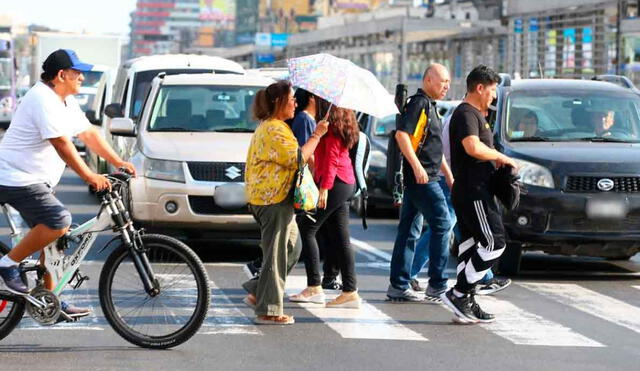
472, 161
419, 137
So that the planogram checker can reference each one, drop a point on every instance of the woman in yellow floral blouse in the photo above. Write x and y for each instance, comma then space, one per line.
271, 167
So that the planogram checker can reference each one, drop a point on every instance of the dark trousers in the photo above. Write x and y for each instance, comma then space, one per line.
336, 219
483, 238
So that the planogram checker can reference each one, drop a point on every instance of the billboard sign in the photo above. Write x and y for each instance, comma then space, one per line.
217, 10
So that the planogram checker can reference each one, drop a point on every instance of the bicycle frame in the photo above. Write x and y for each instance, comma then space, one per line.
112, 215
62, 267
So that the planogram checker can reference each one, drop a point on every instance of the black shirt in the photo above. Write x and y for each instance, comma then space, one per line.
470, 174
430, 155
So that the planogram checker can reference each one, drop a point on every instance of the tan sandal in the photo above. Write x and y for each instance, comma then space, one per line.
309, 295
346, 300
274, 320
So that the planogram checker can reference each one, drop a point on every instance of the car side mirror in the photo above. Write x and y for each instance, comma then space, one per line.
113, 110
92, 117
123, 127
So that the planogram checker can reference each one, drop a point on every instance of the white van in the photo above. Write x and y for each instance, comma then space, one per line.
190, 148
134, 79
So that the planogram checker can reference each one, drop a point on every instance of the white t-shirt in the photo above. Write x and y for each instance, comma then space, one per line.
26, 155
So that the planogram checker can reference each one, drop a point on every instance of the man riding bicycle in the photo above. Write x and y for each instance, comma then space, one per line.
33, 154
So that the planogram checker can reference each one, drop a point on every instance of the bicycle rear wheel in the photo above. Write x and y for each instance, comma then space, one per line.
11, 312
167, 319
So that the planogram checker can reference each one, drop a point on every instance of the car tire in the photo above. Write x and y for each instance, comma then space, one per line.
510, 260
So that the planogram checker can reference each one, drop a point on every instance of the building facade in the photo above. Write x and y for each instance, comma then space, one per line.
172, 26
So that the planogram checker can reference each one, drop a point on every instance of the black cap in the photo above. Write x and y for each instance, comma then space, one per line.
62, 59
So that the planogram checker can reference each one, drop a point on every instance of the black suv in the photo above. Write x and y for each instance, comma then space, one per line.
578, 147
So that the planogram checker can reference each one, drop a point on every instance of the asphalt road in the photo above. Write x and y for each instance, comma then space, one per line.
560, 314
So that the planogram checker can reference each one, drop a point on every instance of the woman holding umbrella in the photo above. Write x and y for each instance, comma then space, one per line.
272, 162
333, 173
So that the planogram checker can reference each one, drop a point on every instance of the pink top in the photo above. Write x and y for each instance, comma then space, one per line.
331, 160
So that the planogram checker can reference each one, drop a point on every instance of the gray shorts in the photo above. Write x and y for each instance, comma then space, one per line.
37, 205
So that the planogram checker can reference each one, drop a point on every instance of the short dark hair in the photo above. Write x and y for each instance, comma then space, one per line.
481, 75
302, 99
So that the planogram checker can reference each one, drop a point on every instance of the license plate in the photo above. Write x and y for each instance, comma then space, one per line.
230, 196
607, 208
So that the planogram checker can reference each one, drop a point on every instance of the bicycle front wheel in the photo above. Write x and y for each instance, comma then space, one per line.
168, 318
11, 312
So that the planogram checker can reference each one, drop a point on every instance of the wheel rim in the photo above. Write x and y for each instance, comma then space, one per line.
169, 312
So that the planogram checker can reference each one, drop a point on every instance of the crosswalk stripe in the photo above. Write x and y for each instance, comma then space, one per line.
590, 302
636, 287
366, 323
225, 317
525, 328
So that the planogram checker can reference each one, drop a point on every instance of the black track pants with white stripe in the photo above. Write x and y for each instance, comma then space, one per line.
483, 239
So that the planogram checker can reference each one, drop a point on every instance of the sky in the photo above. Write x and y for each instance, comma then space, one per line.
91, 16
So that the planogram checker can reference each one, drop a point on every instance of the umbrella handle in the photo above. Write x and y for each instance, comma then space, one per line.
326, 116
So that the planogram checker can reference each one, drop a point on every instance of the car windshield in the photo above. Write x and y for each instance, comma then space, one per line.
6, 67
572, 115
383, 127
212, 108
85, 100
142, 83
91, 79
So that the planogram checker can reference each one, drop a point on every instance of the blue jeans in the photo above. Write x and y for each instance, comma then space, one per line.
421, 256
428, 201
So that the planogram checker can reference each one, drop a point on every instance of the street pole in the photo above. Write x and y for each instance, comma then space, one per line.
618, 37
403, 49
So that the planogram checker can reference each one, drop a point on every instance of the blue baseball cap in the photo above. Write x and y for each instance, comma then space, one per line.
62, 59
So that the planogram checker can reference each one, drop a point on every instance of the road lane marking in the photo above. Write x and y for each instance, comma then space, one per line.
525, 328
367, 322
385, 256
225, 317
590, 302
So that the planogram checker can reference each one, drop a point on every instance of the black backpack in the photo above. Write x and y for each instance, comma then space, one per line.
359, 155
394, 177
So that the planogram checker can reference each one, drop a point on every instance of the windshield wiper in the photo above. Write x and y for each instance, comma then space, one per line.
531, 139
234, 130
603, 139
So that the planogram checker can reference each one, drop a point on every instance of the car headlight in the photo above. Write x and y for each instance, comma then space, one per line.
534, 174
164, 170
378, 159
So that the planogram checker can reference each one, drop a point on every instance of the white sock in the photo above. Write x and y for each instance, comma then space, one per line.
6, 261
457, 293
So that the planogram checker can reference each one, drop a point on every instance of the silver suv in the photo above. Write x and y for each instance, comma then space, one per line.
190, 146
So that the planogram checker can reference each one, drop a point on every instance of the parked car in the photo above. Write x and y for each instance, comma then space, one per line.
134, 79
577, 145
95, 112
378, 131
190, 145
95, 93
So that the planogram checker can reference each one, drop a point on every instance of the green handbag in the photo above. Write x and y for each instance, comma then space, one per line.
305, 194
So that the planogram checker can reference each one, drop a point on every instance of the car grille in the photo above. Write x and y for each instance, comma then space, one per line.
217, 171
574, 223
206, 205
590, 184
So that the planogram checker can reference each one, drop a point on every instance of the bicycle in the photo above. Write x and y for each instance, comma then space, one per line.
153, 289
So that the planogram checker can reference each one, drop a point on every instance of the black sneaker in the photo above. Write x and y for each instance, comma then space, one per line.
493, 286
462, 307
252, 268
415, 285
13, 280
479, 314
332, 284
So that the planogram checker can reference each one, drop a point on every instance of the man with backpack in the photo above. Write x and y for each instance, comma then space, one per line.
419, 138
